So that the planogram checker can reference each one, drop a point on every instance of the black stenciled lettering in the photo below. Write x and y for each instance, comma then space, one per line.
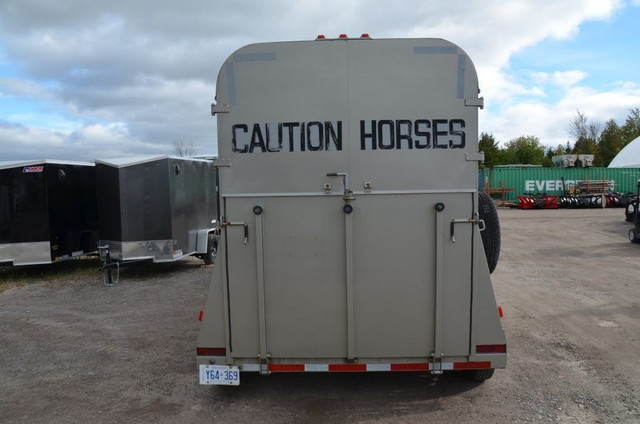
290, 126
234, 140
280, 136
268, 135
256, 139
381, 135
320, 138
439, 134
365, 135
330, 133
455, 127
403, 135
421, 128
302, 137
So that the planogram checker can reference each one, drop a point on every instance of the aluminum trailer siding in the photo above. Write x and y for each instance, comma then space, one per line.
348, 183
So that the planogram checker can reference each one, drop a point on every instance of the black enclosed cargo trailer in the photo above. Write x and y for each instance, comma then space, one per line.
47, 211
159, 208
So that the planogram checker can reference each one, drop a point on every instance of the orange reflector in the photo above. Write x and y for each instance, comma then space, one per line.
211, 351
500, 311
200, 315
500, 348
343, 36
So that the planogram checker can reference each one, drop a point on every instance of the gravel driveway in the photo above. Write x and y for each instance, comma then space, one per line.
74, 351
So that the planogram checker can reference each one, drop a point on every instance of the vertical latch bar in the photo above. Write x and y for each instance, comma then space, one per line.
348, 224
262, 310
437, 345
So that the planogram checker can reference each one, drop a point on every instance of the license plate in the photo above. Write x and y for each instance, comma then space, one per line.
219, 375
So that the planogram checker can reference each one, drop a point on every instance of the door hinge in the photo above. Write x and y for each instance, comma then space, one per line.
219, 109
479, 102
222, 163
474, 157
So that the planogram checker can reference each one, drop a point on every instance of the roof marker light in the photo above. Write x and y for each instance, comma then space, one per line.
320, 37
365, 35
343, 36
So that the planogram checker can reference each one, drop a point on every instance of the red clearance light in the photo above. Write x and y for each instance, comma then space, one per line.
320, 37
365, 35
211, 351
343, 36
500, 311
200, 315
501, 348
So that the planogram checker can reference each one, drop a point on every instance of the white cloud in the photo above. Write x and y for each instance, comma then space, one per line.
131, 77
564, 79
550, 122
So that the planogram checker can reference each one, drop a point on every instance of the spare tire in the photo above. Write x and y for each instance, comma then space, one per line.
491, 234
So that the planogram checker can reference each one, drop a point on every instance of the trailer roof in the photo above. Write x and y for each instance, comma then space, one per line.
20, 163
124, 162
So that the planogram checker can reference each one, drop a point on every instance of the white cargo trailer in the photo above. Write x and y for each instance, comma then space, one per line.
351, 239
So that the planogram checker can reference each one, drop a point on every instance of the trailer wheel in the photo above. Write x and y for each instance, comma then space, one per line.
212, 250
491, 235
633, 235
480, 375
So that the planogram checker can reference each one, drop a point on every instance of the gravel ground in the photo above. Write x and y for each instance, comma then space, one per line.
74, 351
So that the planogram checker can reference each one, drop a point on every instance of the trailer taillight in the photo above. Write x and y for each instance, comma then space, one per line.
499, 348
211, 351
200, 315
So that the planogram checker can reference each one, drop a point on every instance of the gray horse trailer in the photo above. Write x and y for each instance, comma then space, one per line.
47, 211
157, 208
352, 229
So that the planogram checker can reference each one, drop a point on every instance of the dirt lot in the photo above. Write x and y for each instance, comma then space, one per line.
72, 350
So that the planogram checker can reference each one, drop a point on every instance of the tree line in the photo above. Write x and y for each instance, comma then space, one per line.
585, 138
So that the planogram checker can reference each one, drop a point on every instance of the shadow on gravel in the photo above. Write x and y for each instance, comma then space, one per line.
360, 395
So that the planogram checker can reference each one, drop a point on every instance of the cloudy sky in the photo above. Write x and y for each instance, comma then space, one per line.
84, 79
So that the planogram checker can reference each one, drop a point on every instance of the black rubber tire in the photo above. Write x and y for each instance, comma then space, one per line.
633, 235
630, 211
480, 375
491, 234
212, 250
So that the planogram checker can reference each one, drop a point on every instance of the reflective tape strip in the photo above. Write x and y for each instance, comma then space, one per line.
410, 367
378, 367
472, 365
316, 367
420, 366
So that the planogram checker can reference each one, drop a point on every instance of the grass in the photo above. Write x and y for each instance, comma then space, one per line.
59, 272
85, 268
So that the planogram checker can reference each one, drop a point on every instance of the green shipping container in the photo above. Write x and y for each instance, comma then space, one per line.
549, 180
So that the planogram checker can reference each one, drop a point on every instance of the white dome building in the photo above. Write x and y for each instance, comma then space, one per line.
629, 157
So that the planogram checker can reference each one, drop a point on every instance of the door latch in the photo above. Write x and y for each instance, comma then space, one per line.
237, 224
475, 220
